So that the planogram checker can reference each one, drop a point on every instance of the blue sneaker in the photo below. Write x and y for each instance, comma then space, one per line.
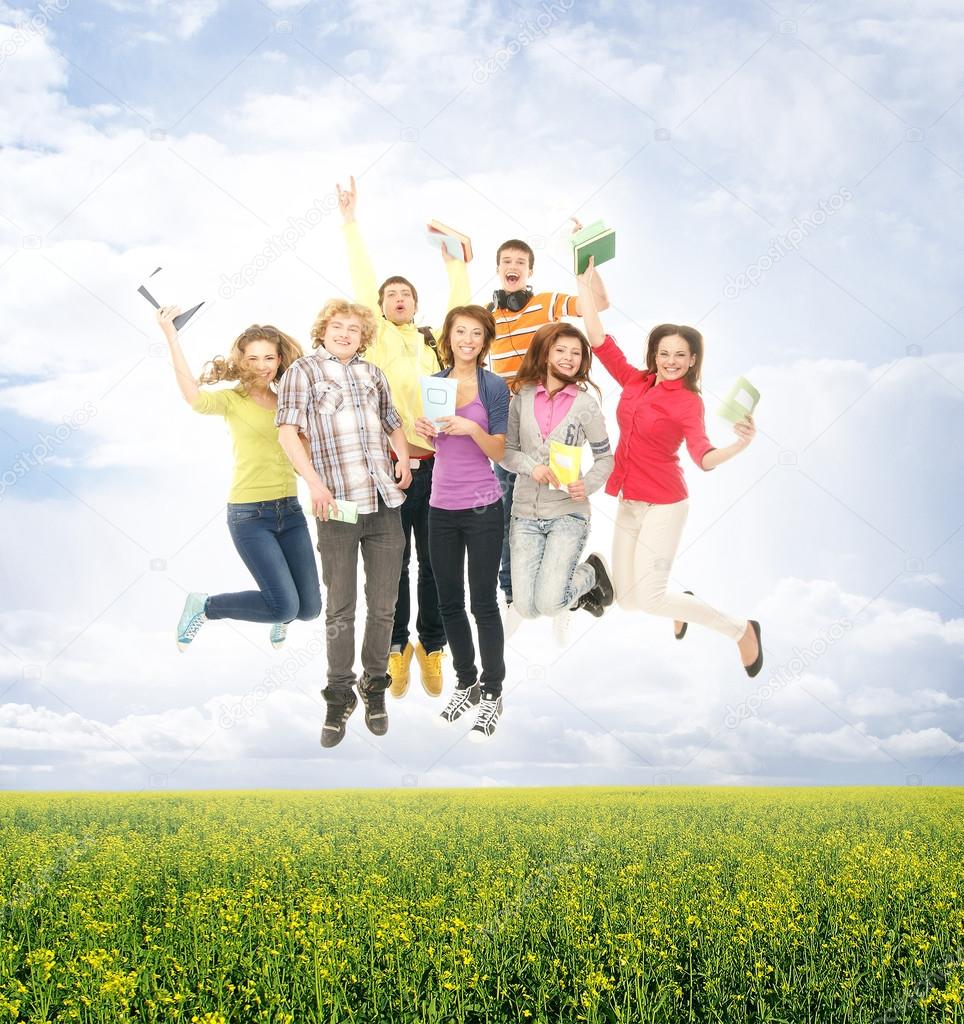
279, 631
192, 619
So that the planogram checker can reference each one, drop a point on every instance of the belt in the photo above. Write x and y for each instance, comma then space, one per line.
414, 464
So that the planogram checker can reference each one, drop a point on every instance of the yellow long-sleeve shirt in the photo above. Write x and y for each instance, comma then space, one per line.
399, 350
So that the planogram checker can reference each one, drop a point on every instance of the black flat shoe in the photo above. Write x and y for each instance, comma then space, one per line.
682, 632
754, 669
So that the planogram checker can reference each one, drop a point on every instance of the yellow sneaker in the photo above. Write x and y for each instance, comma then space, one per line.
398, 669
430, 667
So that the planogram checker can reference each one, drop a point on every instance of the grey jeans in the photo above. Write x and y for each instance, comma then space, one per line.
380, 537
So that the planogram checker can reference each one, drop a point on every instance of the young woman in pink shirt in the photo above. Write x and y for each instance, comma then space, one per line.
660, 408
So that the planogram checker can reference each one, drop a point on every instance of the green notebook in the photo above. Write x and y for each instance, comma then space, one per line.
740, 401
594, 240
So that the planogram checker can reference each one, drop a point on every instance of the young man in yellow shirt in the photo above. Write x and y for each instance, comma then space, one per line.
518, 315
404, 354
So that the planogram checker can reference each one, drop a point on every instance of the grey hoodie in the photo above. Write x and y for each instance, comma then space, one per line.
525, 449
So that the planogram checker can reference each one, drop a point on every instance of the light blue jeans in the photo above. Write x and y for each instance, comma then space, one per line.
547, 576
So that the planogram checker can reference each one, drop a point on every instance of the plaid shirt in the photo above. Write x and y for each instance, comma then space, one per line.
345, 409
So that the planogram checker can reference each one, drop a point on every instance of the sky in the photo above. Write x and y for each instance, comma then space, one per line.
788, 177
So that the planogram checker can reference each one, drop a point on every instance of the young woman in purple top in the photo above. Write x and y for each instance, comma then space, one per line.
465, 514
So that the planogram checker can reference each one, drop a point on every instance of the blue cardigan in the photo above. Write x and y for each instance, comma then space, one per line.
494, 393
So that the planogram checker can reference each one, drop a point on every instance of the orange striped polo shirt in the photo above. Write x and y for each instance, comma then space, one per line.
514, 331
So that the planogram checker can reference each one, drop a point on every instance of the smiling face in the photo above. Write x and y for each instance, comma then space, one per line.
564, 358
398, 303
513, 269
673, 358
343, 337
261, 360
467, 338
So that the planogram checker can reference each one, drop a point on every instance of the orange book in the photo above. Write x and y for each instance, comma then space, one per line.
441, 234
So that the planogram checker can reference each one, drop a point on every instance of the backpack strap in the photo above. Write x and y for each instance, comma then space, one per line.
429, 338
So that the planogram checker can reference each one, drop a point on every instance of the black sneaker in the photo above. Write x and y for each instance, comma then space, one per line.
490, 711
340, 706
460, 702
372, 693
588, 603
603, 591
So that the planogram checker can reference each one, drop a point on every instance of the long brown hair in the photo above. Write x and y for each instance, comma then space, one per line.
231, 367
692, 337
482, 317
535, 363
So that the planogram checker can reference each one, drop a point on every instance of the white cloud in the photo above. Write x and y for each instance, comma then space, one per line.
855, 529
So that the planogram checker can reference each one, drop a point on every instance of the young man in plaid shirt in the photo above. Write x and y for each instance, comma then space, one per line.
342, 408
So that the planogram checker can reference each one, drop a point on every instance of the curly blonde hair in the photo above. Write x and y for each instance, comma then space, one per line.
231, 367
343, 308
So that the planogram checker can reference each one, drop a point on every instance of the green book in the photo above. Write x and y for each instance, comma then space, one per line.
740, 401
594, 240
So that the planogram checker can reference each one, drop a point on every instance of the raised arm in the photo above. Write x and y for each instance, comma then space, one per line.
598, 289
182, 372
363, 282
588, 308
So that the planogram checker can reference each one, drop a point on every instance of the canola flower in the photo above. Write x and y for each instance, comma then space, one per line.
483, 907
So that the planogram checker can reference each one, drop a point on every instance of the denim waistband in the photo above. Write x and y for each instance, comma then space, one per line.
273, 503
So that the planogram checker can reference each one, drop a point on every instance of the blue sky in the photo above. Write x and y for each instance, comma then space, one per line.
787, 177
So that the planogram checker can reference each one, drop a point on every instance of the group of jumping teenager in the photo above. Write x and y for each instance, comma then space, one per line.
473, 490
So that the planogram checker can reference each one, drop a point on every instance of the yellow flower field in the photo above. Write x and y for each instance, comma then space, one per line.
483, 906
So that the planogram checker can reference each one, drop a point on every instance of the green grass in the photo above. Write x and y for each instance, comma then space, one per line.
501, 906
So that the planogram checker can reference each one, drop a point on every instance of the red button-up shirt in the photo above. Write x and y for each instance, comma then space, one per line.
654, 420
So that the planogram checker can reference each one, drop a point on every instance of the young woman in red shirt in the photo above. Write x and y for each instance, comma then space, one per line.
660, 408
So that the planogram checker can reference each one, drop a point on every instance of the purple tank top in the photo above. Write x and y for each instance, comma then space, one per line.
463, 476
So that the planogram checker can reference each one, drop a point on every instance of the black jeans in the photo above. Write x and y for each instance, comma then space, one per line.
476, 532
428, 624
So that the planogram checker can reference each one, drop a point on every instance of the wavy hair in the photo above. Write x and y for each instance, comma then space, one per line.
535, 363
231, 366
343, 308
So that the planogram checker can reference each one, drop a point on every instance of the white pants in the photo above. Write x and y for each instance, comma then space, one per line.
644, 545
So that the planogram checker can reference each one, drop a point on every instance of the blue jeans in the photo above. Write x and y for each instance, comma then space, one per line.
507, 483
273, 542
545, 564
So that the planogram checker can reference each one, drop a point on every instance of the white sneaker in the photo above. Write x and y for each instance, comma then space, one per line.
560, 627
278, 633
490, 711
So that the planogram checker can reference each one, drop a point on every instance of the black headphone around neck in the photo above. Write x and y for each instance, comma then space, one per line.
512, 301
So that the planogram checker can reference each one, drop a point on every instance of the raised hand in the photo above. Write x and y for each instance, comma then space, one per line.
347, 200
165, 317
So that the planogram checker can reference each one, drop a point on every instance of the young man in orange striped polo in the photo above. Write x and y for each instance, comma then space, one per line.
518, 314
